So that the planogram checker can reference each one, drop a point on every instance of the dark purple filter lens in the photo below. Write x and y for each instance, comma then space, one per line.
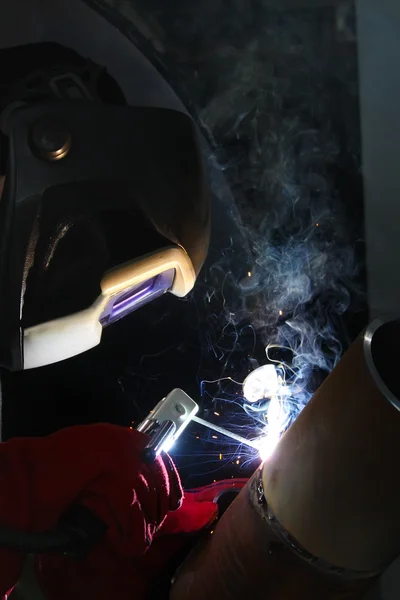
133, 298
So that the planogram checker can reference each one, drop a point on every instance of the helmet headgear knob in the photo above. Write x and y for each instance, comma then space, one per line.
50, 139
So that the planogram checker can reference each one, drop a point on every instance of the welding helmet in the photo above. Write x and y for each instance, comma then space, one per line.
104, 206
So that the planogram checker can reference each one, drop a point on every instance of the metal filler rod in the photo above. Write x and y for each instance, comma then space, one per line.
222, 431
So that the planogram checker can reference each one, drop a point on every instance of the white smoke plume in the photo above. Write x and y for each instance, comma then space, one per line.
276, 92
273, 118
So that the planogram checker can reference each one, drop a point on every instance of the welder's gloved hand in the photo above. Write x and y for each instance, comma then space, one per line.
100, 467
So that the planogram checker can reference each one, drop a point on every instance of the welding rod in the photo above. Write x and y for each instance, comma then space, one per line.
222, 431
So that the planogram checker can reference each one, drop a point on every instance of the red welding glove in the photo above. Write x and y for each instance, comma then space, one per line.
99, 467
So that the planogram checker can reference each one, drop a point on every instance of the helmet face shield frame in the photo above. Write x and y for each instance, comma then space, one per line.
124, 289
153, 156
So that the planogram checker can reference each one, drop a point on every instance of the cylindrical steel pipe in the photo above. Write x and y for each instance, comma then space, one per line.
328, 517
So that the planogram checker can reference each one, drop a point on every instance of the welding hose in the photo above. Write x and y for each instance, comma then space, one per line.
79, 529
35, 543
320, 518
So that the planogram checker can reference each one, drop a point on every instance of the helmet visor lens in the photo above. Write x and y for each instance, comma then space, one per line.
136, 296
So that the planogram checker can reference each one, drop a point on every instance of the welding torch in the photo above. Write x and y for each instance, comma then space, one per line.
170, 418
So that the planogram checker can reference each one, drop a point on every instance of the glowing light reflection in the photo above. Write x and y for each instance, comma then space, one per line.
278, 416
263, 384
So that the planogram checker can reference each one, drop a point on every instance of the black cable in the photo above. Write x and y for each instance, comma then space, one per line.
79, 529
35, 543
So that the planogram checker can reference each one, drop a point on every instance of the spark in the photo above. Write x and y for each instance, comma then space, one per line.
281, 312
214, 437
216, 413
249, 274
220, 456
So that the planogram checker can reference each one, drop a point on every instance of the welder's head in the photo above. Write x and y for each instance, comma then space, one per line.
103, 207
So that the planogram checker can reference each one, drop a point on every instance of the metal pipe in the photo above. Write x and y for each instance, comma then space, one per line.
321, 518
340, 459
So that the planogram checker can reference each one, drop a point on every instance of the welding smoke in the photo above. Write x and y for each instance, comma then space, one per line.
274, 119
276, 93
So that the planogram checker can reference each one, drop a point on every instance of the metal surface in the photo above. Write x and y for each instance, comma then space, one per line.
246, 557
387, 332
338, 461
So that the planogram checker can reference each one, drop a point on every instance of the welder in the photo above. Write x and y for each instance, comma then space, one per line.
103, 209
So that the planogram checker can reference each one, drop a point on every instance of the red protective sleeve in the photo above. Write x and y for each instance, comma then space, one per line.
100, 467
